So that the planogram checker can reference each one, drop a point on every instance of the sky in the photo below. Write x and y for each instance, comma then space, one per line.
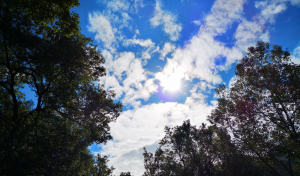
165, 57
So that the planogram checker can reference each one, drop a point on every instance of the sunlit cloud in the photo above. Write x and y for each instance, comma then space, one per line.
167, 20
102, 27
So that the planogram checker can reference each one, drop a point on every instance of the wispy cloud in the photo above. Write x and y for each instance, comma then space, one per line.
100, 25
167, 20
117, 5
168, 47
141, 42
295, 57
128, 76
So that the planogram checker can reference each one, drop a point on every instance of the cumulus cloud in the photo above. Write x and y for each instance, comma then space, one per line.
102, 27
117, 5
136, 5
295, 55
148, 44
197, 58
122, 63
131, 6
270, 10
167, 20
168, 47
247, 33
144, 126
127, 76
109, 23
141, 42
110, 82
147, 54
135, 89
197, 22
222, 15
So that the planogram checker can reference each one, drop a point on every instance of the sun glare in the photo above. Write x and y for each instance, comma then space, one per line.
170, 78
171, 83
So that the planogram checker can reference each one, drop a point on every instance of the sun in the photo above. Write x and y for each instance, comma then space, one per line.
170, 78
171, 83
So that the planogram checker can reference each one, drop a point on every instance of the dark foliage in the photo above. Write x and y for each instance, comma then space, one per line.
205, 151
261, 109
41, 47
125, 174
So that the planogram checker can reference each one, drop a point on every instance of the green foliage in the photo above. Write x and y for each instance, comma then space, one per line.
101, 168
261, 109
41, 46
187, 150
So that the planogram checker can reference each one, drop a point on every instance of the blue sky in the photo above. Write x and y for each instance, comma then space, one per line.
164, 58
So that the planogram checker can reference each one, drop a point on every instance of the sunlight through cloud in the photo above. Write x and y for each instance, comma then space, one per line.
170, 80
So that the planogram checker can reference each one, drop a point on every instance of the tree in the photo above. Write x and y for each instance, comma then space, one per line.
41, 47
187, 150
125, 174
261, 109
101, 168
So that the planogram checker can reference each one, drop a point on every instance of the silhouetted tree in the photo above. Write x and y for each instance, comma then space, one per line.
101, 168
41, 47
125, 174
261, 109
187, 150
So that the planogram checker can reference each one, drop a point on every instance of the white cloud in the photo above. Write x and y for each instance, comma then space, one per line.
247, 33
131, 6
197, 22
295, 55
102, 27
131, 78
112, 83
134, 88
232, 81
118, 5
121, 64
198, 58
125, 20
141, 42
260, 4
295, 2
144, 126
269, 9
136, 5
222, 15
269, 12
118, 20
168, 20
148, 44
168, 47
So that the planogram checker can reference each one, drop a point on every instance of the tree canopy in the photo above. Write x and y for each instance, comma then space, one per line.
207, 151
261, 109
41, 47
